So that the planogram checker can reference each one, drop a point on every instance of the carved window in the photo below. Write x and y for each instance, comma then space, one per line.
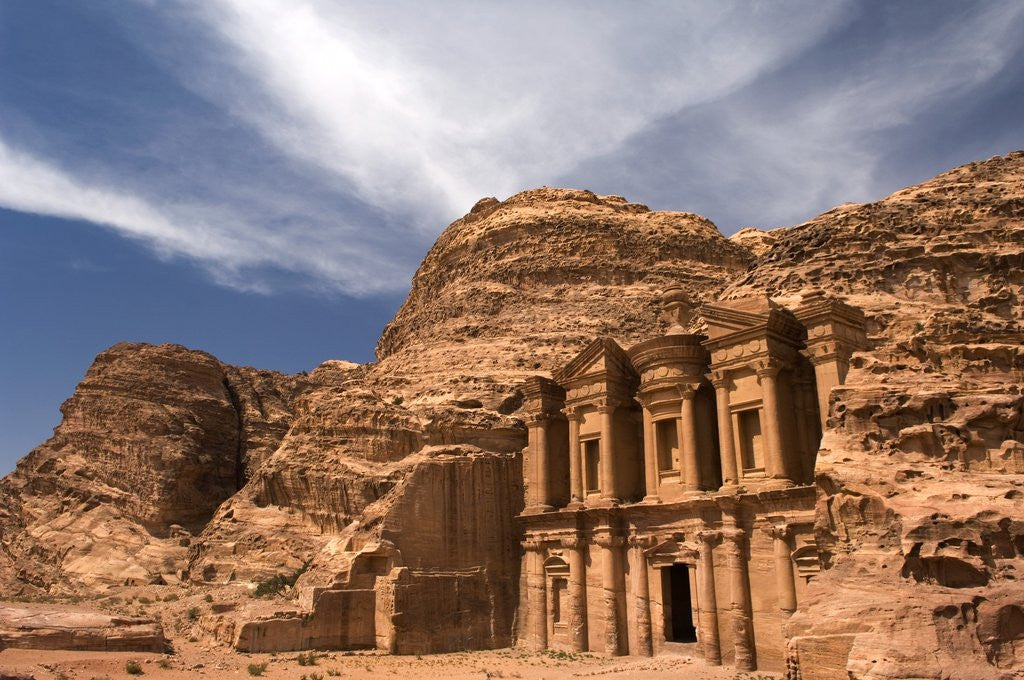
591, 465
559, 593
751, 446
667, 437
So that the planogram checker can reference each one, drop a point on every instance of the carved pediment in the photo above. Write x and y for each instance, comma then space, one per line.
738, 320
601, 358
672, 551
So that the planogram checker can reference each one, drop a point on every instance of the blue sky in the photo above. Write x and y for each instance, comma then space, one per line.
260, 178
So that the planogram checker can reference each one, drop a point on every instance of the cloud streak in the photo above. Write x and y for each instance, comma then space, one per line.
423, 109
235, 254
368, 126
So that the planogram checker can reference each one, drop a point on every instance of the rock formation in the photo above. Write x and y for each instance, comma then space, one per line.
920, 473
83, 631
171, 465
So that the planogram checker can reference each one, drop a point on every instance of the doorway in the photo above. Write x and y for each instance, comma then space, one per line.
677, 604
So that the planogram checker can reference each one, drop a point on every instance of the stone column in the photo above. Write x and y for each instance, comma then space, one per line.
577, 615
688, 439
784, 578
642, 589
607, 444
540, 422
775, 465
575, 459
650, 460
739, 587
726, 442
806, 429
708, 613
613, 593
537, 621
830, 370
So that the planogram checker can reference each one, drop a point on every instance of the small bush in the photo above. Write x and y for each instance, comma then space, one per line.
144, 600
171, 598
208, 598
164, 663
312, 676
307, 659
333, 672
278, 582
397, 401
193, 614
257, 668
132, 667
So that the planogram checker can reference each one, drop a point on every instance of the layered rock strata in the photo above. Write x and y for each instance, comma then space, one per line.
921, 474
82, 631
170, 464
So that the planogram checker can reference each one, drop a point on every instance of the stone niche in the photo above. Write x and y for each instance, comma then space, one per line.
669, 505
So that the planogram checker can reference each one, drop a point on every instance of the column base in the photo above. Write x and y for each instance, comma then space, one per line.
690, 494
538, 509
604, 502
771, 484
575, 505
651, 500
730, 489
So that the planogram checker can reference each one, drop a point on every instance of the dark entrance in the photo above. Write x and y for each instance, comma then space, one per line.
676, 596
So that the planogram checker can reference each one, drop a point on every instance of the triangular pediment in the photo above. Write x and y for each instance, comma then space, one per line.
759, 312
601, 357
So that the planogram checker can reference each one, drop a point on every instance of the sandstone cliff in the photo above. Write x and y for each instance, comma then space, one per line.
921, 470
519, 287
169, 464
151, 443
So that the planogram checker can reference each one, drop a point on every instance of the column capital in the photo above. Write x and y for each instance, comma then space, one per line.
687, 390
609, 541
572, 542
533, 545
541, 418
607, 405
768, 368
779, 531
734, 534
709, 536
720, 379
641, 542
572, 412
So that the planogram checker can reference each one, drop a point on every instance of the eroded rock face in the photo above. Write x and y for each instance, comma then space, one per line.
152, 442
518, 287
920, 473
170, 464
82, 631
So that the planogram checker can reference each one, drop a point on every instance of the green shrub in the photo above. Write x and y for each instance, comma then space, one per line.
144, 600
278, 582
308, 659
164, 663
132, 667
257, 668
171, 598
208, 598
193, 613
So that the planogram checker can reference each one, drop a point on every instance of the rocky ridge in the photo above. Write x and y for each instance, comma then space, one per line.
919, 476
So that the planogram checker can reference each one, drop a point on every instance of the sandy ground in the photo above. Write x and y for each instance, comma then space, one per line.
192, 661
195, 656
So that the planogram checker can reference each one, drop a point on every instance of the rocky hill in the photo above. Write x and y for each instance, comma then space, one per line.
169, 465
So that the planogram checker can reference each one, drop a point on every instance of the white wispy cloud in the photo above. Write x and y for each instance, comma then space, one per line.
423, 108
816, 135
380, 122
234, 253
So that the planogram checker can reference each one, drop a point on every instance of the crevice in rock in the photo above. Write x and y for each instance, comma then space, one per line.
236, 404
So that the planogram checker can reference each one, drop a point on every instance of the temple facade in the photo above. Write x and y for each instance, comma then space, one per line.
669, 498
